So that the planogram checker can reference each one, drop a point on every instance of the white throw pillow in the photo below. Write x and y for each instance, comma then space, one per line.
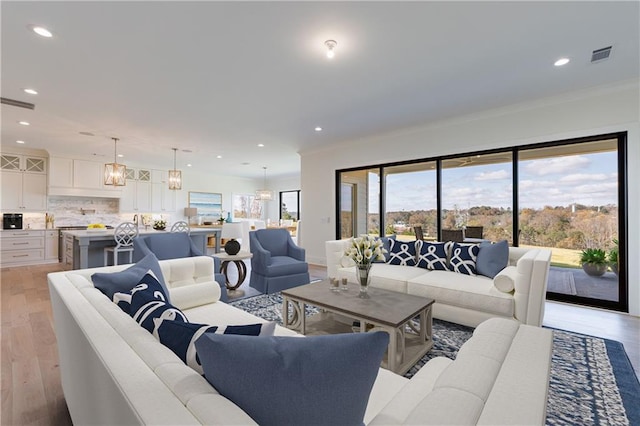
505, 281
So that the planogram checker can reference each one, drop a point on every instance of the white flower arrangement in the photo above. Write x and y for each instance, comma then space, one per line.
365, 249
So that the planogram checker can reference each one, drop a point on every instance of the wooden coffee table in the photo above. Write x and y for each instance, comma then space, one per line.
386, 310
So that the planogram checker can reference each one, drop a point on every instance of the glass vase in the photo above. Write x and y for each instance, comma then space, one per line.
362, 274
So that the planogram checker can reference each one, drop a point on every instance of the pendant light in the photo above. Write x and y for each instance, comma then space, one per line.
175, 176
114, 173
264, 194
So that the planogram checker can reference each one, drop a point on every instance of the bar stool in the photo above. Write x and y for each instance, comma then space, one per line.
181, 226
123, 235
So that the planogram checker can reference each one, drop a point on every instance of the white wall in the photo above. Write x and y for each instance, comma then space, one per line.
201, 182
229, 185
585, 113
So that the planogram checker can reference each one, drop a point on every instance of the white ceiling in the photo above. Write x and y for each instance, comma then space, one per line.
217, 78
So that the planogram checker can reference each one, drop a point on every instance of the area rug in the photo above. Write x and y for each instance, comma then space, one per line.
592, 381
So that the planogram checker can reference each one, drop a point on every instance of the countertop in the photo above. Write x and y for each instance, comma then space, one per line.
83, 233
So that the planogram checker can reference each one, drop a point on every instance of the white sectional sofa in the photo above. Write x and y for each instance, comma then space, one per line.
462, 299
115, 372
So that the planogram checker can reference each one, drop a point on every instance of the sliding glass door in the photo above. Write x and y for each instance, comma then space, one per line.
568, 202
411, 200
477, 191
567, 196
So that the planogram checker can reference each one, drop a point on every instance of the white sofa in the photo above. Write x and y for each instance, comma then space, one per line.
459, 298
115, 372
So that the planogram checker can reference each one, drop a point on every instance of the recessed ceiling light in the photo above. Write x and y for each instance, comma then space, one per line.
42, 31
261, 145
20, 142
218, 156
318, 129
562, 61
189, 165
24, 123
30, 91
331, 45
120, 155
245, 163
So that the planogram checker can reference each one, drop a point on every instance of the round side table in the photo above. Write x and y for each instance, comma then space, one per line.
238, 259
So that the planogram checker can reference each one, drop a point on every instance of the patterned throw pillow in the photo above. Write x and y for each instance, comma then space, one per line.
402, 253
150, 283
463, 258
433, 256
148, 301
114, 282
181, 337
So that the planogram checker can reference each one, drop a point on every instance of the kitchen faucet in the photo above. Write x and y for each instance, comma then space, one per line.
135, 219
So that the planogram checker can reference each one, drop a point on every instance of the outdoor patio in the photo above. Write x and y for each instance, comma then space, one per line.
576, 282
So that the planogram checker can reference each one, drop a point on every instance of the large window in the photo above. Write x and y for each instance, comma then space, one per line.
360, 203
290, 205
411, 200
567, 196
569, 203
477, 190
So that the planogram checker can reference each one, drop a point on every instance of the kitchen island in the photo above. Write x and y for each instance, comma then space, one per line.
88, 246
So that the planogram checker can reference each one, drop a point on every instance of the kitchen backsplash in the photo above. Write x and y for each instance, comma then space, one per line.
80, 211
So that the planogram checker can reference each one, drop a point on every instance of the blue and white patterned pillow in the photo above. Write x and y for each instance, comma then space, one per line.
463, 258
149, 282
402, 253
181, 337
148, 301
433, 256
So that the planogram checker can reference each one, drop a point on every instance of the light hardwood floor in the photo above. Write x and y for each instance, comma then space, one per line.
30, 384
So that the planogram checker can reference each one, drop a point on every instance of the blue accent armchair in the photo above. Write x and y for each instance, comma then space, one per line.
173, 245
277, 263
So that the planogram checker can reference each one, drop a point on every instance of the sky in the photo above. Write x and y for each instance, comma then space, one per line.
589, 179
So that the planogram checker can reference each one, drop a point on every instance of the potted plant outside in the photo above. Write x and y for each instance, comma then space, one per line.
613, 257
594, 262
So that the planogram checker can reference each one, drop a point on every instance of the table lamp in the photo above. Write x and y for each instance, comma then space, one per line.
189, 212
231, 231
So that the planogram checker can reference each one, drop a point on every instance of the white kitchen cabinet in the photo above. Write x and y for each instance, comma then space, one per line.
70, 173
162, 198
88, 174
136, 194
76, 177
51, 245
60, 172
21, 247
24, 182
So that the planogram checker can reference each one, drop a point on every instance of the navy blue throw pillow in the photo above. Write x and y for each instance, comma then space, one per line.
180, 336
402, 253
319, 379
148, 301
492, 258
433, 256
463, 258
123, 281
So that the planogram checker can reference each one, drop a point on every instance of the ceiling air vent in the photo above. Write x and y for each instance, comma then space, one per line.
15, 103
600, 54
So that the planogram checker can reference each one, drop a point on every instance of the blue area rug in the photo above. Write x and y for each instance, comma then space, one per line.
592, 381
